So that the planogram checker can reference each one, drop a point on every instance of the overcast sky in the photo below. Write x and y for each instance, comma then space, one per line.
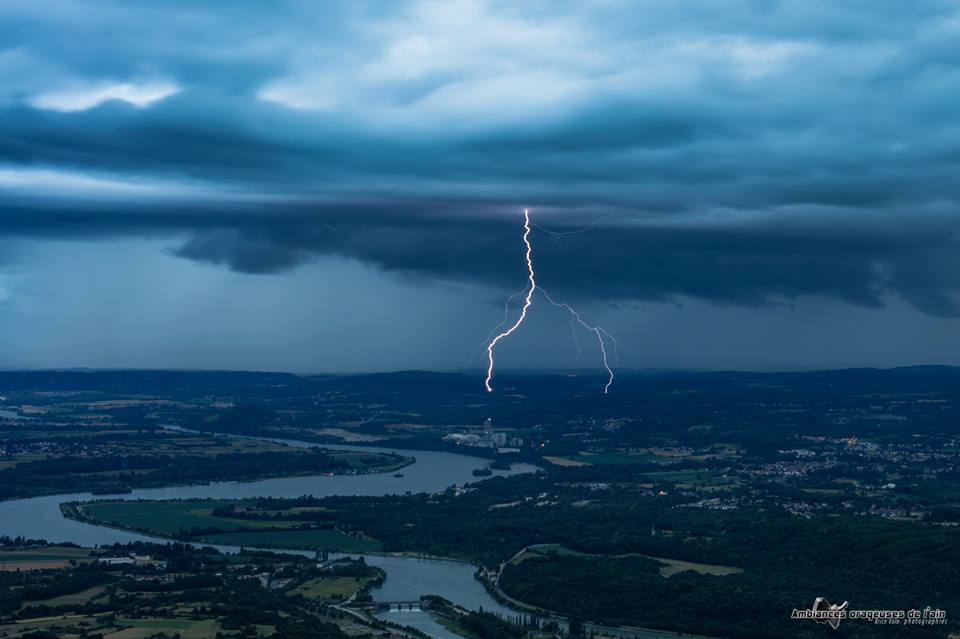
339, 186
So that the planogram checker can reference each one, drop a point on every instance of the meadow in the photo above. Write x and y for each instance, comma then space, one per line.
42, 558
173, 517
318, 538
198, 520
329, 588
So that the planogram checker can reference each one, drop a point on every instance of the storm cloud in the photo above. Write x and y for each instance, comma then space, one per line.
746, 153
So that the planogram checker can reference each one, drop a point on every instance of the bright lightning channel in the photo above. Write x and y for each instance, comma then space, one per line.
532, 288
493, 331
527, 301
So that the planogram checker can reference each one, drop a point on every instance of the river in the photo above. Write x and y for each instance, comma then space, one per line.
407, 578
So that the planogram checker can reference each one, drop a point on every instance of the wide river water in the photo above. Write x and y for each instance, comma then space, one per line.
407, 578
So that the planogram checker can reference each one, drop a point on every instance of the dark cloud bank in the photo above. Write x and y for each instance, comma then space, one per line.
749, 156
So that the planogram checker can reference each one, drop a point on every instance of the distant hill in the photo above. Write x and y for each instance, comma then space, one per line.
136, 382
265, 384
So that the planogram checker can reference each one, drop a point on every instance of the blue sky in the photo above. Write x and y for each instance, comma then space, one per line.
339, 186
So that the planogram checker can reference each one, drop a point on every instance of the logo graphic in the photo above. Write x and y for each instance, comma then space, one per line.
828, 613
825, 612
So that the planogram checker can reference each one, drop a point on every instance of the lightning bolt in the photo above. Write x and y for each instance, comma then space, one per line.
531, 289
493, 331
528, 300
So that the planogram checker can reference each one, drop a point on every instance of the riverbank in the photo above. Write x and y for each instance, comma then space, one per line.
150, 468
195, 521
490, 582
487, 579
409, 575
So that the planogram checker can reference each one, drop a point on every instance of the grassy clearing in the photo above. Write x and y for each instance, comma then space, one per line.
175, 624
564, 461
368, 460
555, 549
75, 599
24, 626
48, 552
673, 566
53, 557
690, 478
660, 456
613, 459
185, 628
600, 459
38, 564
670, 566
329, 588
451, 624
542, 550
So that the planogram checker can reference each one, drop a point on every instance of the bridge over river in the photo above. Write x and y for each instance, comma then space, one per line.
396, 606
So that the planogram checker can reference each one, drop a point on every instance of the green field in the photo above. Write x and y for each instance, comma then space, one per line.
179, 518
607, 459
673, 566
547, 549
369, 460
173, 517
322, 539
74, 599
689, 477
51, 557
542, 550
176, 624
184, 628
329, 588
50, 552
669, 566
